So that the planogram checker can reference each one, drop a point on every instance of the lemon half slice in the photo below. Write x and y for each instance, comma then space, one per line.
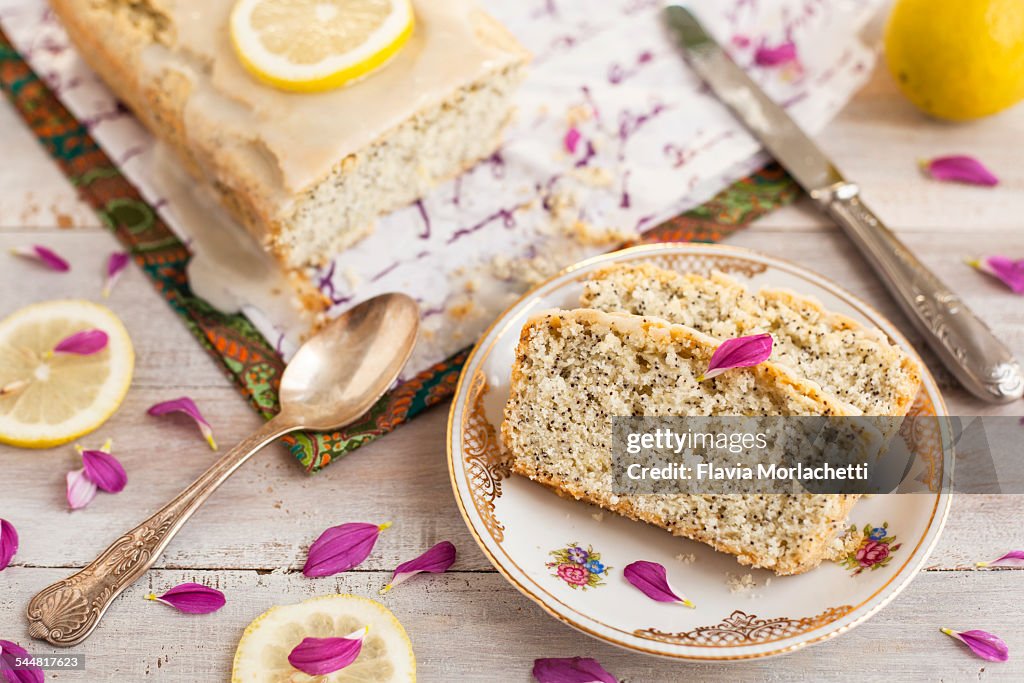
47, 401
314, 45
386, 657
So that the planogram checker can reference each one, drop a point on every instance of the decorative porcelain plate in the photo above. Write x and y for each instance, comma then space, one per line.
568, 556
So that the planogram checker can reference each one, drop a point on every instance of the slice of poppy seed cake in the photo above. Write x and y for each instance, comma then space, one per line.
575, 370
855, 364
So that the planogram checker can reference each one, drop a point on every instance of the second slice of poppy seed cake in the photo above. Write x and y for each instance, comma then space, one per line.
575, 370
856, 364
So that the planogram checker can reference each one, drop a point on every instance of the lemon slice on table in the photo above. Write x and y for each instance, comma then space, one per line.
314, 45
386, 656
47, 400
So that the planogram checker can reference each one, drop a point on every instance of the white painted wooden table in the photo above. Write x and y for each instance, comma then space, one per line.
470, 625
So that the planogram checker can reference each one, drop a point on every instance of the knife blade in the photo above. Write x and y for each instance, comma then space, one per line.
981, 363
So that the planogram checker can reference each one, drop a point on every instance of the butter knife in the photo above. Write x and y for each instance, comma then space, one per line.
982, 364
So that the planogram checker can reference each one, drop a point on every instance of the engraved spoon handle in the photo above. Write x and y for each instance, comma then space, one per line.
982, 364
66, 612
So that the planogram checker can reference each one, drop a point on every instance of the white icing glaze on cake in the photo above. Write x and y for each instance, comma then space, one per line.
299, 138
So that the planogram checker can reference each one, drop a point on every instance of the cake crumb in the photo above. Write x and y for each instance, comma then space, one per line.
740, 584
843, 545
524, 270
564, 207
352, 278
587, 235
578, 114
686, 558
595, 176
462, 310
598, 516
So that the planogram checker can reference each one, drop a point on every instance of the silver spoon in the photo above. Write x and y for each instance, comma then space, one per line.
333, 379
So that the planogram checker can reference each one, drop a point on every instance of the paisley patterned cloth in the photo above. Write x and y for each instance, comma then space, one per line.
246, 356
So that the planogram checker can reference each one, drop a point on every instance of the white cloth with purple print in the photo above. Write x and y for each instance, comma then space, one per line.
613, 133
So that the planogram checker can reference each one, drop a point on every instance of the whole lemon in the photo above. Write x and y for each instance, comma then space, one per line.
958, 59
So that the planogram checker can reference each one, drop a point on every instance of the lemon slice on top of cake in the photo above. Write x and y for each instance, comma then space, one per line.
312, 45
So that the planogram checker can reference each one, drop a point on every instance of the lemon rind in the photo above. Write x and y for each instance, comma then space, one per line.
332, 79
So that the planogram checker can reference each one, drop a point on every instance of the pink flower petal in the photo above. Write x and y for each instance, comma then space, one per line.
1014, 558
45, 256
652, 580
340, 548
437, 560
741, 41
982, 643
784, 53
1008, 271
187, 406
960, 169
570, 670
192, 598
84, 343
104, 470
81, 490
9, 654
572, 140
116, 264
8, 543
321, 656
743, 352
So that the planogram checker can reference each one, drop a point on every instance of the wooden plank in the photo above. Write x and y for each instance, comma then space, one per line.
263, 517
268, 513
171, 356
34, 191
475, 627
878, 140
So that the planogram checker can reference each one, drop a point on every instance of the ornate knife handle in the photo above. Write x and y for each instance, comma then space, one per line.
982, 364
66, 612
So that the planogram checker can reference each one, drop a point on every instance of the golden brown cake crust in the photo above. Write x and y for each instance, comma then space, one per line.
111, 37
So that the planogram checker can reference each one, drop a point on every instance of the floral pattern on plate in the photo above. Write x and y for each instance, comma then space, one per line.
874, 551
579, 568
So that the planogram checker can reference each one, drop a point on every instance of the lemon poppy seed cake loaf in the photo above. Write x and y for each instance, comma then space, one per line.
575, 370
857, 365
307, 174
